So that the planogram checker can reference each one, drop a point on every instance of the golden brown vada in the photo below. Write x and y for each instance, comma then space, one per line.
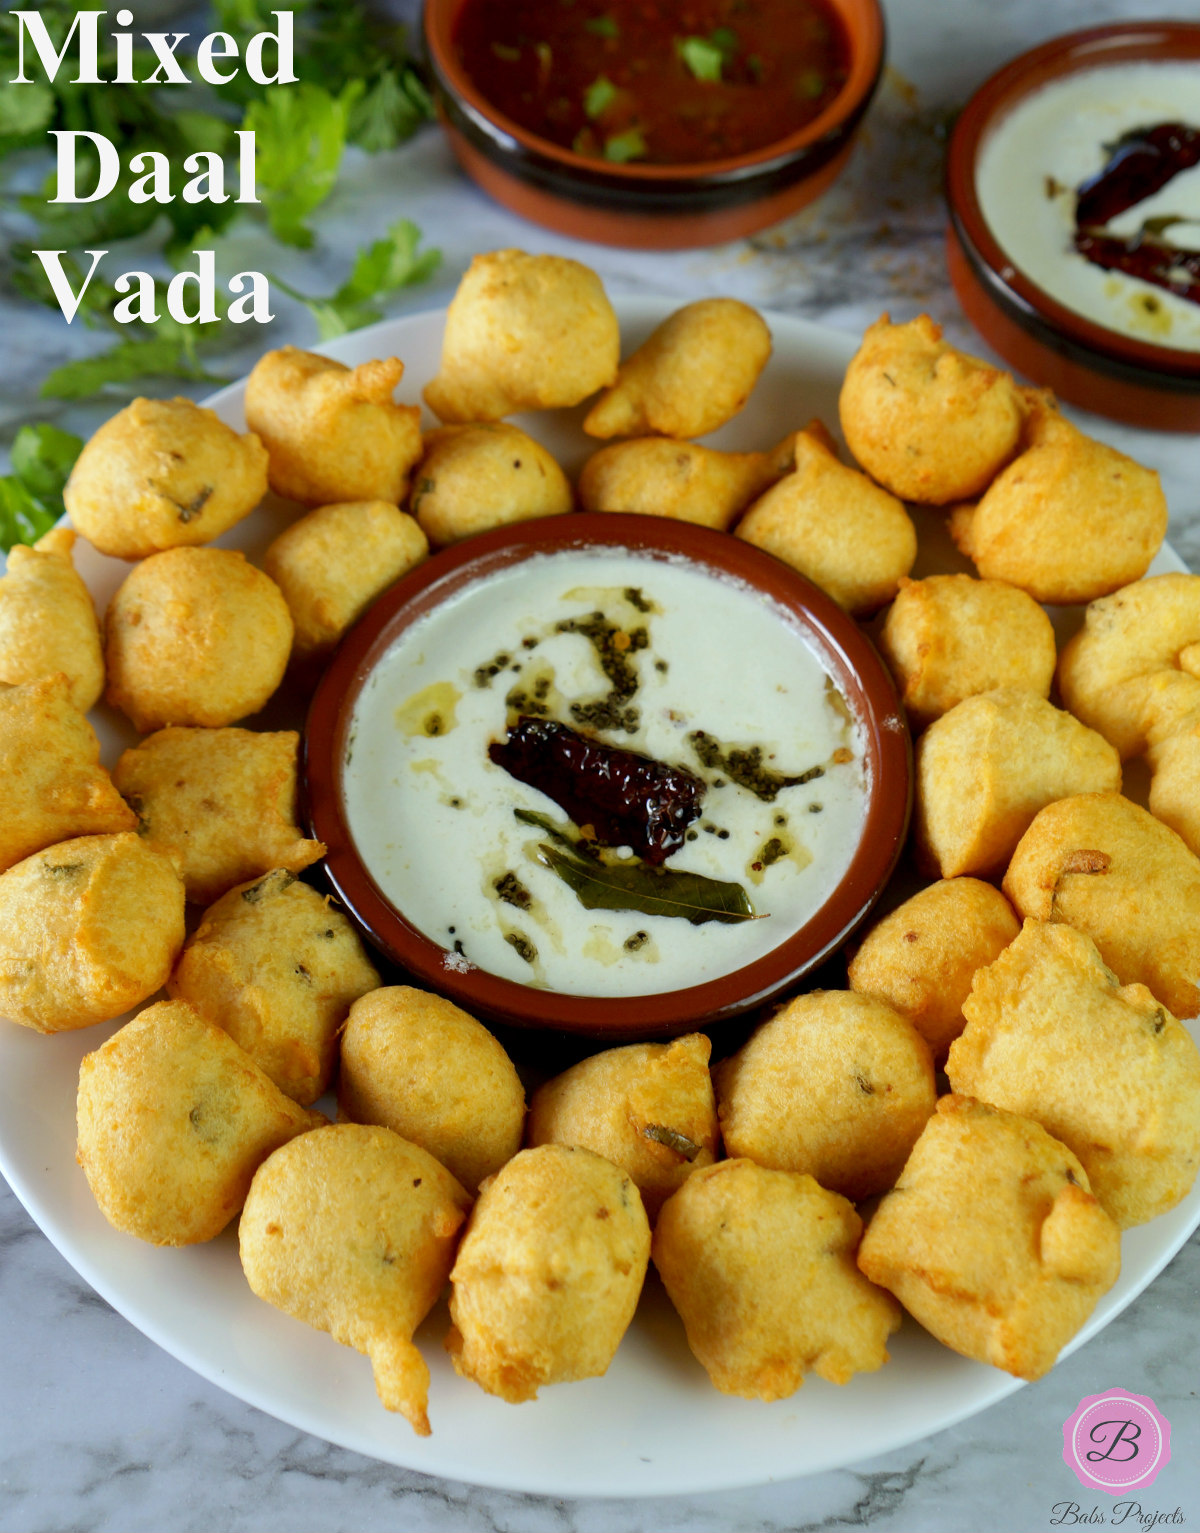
694, 373
548, 1274
837, 1085
472, 478
333, 563
1069, 520
992, 1238
174, 1120
1106, 1069
648, 1107
949, 637
832, 524
1106, 867
88, 928
523, 332
986, 767
655, 476
52, 785
333, 433
352, 1230
220, 803
278, 968
419, 1065
928, 422
195, 636
164, 473
921, 958
760, 1265
47, 620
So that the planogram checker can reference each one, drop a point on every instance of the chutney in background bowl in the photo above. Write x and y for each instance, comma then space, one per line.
606, 179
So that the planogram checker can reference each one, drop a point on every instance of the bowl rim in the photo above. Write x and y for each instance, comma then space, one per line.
845, 650
1070, 54
866, 67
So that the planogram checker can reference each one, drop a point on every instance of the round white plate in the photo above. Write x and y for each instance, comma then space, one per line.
653, 1424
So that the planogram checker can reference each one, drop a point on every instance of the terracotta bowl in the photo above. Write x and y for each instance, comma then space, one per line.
650, 207
1082, 360
847, 654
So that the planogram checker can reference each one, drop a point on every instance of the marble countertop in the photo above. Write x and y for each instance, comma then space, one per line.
100, 1430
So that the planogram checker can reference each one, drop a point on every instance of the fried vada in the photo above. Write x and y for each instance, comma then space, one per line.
472, 478
1108, 868
927, 422
1105, 1068
419, 1065
47, 620
334, 562
164, 473
548, 1274
173, 1122
195, 636
278, 967
691, 376
333, 434
922, 957
523, 332
760, 1265
835, 1085
352, 1230
88, 928
1069, 520
52, 785
949, 637
220, 803
648, 1107
985, 768
992, 1238
831, 523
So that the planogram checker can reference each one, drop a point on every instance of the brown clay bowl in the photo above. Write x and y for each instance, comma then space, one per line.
847, 654
650, 207
1086, 362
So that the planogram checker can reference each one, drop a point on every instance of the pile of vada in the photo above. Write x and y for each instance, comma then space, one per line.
992, 1214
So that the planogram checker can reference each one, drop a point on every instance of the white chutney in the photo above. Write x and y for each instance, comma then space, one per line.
433, 817
1034, 159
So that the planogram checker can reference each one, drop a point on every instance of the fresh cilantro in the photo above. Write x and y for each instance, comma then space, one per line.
158, 355
31, 496
300, 134
702, 57
602, 26
630, 145
379, 269
810, 85
599, 96
338, 44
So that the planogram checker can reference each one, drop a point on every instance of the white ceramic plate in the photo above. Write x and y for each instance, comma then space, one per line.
653, 1424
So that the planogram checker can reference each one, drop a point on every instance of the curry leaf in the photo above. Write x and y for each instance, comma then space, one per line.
649, 891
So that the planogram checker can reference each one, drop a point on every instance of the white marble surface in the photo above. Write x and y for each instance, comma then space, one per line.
100, 1430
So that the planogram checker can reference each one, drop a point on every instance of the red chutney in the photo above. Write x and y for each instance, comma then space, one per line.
660, 82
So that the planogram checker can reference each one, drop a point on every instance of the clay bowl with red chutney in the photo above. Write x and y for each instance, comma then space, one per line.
651, 126
373, 746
